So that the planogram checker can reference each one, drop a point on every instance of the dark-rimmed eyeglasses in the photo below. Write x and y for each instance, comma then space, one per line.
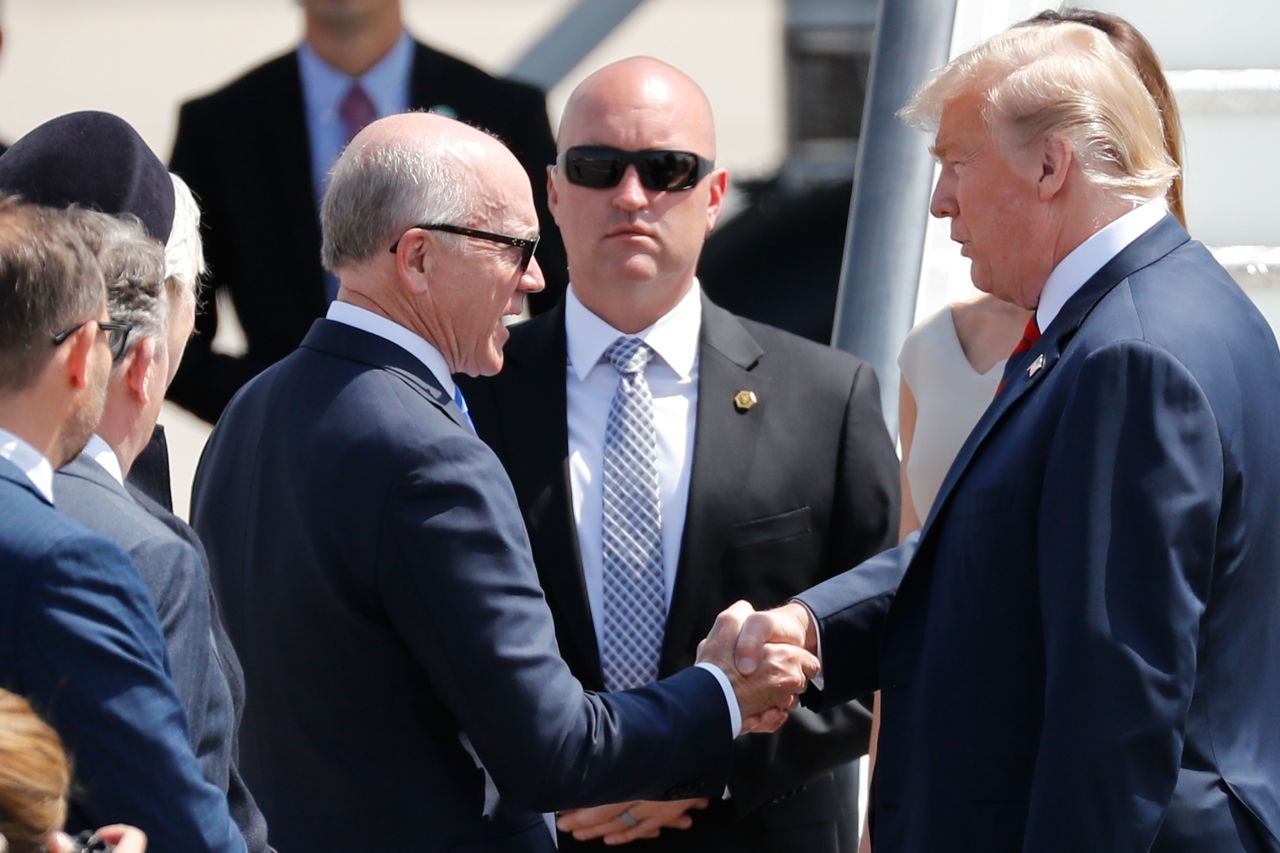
527, 245
600, 167
117, 336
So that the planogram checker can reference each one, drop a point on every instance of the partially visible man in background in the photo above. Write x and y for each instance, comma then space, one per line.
671, 458
97, 160
78, 631
256, 153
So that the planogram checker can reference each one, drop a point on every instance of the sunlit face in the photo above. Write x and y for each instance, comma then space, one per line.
627, 235
991, 198
475, 282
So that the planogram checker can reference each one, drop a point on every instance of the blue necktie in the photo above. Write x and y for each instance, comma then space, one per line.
635, 611
461, 402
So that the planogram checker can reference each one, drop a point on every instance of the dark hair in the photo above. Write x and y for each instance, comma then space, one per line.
49, 281
1134, 45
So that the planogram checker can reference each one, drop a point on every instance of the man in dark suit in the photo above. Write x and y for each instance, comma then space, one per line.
1080, 651
363, 538
78, 631
150, 254
773, 467
257, 151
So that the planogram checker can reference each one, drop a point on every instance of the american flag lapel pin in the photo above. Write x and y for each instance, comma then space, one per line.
1035, 366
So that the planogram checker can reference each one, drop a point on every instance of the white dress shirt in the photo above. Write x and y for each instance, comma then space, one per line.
99, 451
389, 330
590, 383
28, 460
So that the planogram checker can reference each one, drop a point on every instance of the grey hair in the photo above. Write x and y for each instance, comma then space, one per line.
184, 252
133, 266
1068, 80
383, 186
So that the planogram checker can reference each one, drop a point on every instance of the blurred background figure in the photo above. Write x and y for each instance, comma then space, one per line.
35, 778
257, 152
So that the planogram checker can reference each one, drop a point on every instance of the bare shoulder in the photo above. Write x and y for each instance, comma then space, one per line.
988, 329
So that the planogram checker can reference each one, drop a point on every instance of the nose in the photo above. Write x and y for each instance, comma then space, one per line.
630, 194
532, 281
943, 203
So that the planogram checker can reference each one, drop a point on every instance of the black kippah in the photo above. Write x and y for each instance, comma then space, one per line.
95, 160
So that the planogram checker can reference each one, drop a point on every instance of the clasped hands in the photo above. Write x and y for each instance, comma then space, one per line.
769, 657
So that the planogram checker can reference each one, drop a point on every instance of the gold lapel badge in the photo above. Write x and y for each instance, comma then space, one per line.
1035, 366
745, 401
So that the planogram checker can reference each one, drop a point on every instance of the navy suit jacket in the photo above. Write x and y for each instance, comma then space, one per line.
177, 577
1084, 651
244, 151
79, 639
370, 559
781, 497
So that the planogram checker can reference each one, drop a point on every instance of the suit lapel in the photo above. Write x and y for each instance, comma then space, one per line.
536, 437
724, 444
1030, 370
84, 468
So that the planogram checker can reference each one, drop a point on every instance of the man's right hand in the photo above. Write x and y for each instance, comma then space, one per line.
791, 624
779, 673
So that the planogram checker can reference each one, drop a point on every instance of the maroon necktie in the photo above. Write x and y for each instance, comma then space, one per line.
1030, 335
356, 111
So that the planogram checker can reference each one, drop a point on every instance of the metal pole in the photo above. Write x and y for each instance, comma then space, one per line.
569, 40
893, 180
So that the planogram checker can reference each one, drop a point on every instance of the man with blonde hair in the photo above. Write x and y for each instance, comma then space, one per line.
1080, 650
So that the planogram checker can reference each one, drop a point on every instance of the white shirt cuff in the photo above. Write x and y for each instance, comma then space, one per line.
730, 698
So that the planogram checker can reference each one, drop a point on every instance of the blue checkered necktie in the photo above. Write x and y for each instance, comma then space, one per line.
635, 610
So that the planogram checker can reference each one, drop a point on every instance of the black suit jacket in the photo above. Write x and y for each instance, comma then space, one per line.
245, 152
795, 490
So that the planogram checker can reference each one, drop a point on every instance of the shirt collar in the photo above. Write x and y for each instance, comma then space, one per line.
30, 461
389, 330
1079, 266
674, 337
386, 83
99, 451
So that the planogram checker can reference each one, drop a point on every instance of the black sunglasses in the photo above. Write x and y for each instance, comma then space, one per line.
600, 167
527, 245
117, 336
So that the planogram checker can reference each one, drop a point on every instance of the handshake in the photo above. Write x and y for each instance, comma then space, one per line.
769, 656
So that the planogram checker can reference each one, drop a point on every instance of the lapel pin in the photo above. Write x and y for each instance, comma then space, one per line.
745, 401
1035, 366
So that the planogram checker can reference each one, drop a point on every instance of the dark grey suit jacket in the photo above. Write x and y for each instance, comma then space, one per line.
781, 496
177, 576
375, 575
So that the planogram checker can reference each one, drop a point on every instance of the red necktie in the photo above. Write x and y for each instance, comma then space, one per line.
1030, 335
356, 111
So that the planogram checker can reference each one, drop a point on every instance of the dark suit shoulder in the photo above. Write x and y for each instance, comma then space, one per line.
246, 89
804, 353
446, 70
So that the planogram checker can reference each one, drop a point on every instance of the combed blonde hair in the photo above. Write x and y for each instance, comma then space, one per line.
1067, 80
34, 777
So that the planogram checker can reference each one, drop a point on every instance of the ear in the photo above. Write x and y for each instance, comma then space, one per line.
718, 184
413, 260
553, 197
1056, 157
78, 357
139, 362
